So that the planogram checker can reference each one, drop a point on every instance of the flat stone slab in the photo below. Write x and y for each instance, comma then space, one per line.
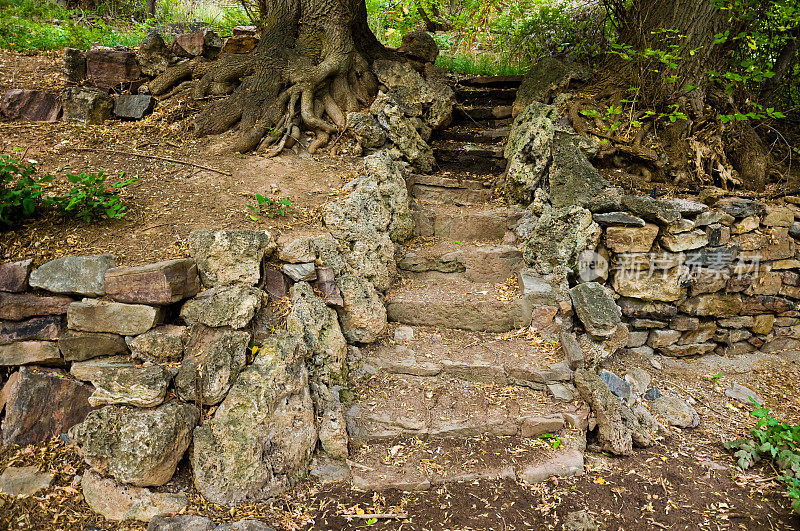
30, 352
82, 346
120, 502
74, 275
162, 283
232, 256
443, 407
134, 106
47, 328
123, 383
466, 224
24, 482
18, 306
457, 304
471, 261
91, 315
30, 106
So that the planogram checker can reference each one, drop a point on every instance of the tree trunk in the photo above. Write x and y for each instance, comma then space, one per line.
311, 66
151, 8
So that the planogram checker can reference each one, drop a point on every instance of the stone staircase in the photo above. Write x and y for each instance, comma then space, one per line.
461, 389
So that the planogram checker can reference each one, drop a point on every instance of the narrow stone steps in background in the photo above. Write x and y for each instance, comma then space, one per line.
485, 95
473, 133
474, 262
492, 81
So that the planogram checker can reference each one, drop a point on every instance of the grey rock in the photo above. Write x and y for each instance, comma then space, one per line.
245, 525
120, 502
232, 256
403, 334
24, 482
617, 385
619, 219
573, 179
82, 346
419, 45
134, 106
366, 129
743, 395
651, 209
300, 272
741, 208
297, 250
638, 379
153, 55
233, 306
137, 446
528, 150
329, 470
686, 207
561, 392
92, 315
363, 318
559, 237
184, 522
214, 359
86, 105
652, 394
262, 436
74, 275
571, 348
596, 309
546, 78
676, 412
122, 383
394, 117
161, 344
48, 328
663, 338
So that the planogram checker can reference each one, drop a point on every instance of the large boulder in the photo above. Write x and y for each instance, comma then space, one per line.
558, 238
153, 55
363, 317
109, 68
573, 179
92, 315
214, 359
546, 78
402, 124
231, 256
74, 275
86, 105
137, 446
262, 436
41, 404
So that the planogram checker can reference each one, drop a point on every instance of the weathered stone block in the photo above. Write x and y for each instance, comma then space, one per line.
778, 216
14, 275
201, 42
163, 283
119, 502
766, 304
649, 286
240, 44
41, 405
631, 239
595, 308
30, 352
663, 338
48, 328
82, 346
228, 257
685, 241
162, 344
18, 306
134, 106
233, 306
107, 68
74, 65
122, 383
86, 105
618, 219
30, 106
74, 275
763, 324
716, 305
646, 309
91, 315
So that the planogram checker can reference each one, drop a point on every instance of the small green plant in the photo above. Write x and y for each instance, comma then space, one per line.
20, 191
777, 440
92, 197
555, 440
269, 207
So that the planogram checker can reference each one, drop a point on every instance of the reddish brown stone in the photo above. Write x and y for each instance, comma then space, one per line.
18, 306
240, 44
244, 30
42, 404
14, 275
47, 328
542, 317
30, 106
162, 283
276, 283
107, 68
202, 42
326, 284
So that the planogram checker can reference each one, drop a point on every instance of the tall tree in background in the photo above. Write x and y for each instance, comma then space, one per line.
311, 66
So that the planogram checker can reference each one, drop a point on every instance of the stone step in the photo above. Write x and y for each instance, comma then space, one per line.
415, 465
473, 262
484, 95
456, 303
481, 357
482, 113
454, 151
473, 133
465, 224
491, 81
450, 196
394, 405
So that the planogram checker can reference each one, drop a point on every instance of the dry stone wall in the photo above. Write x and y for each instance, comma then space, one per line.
136, 365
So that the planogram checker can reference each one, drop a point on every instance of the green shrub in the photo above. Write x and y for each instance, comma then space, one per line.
776, 440
92, 198
20, 192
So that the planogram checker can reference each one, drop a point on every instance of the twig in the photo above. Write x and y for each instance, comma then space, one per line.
388, 516
156, 157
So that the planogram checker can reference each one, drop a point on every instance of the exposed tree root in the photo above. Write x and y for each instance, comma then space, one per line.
312, 66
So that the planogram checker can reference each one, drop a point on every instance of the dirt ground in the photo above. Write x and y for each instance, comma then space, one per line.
687, 481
